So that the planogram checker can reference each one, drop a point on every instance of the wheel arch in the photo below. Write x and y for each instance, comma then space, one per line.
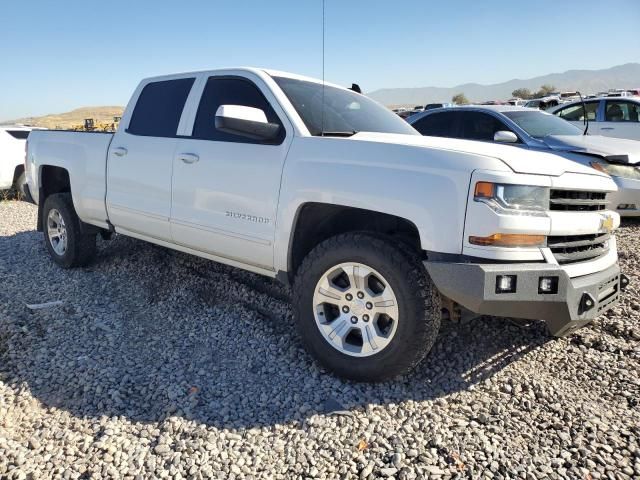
315, 222
52, 180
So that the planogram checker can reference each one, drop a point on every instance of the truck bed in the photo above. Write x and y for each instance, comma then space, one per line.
84, 156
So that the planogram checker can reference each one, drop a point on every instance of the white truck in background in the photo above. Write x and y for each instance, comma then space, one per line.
376, 227
13, 139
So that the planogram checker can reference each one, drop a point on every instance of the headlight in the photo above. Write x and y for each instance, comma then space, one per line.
513, 199
624, 171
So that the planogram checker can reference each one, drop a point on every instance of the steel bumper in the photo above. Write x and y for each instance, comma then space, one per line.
577, 300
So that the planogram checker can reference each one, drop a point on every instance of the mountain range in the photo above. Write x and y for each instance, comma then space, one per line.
585, 81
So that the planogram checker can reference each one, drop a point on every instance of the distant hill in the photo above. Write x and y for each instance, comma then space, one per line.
73, 118
585, 81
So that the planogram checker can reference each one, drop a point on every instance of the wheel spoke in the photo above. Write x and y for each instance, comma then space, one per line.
340, 328
384, 303
327, 289
369, 337
53, 233
357, 275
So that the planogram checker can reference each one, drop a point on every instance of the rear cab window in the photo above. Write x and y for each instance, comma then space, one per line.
19, 134
159, 108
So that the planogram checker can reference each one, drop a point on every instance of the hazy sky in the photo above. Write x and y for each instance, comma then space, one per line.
59, 55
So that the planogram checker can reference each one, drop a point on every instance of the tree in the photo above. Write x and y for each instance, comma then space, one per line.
460, 99
545, 90
523, 93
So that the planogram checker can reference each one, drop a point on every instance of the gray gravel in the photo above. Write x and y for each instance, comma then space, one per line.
163, 365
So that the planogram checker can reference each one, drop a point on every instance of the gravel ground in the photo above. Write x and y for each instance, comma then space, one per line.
158, 364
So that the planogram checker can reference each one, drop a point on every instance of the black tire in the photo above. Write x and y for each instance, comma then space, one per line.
81, 246
419, 306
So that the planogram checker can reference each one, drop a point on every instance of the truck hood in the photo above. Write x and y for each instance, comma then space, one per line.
520, 160
617, 150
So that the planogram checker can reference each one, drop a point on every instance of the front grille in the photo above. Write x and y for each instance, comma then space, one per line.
577, 200
578, 248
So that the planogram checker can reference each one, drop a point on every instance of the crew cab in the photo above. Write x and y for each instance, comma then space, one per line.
376, 227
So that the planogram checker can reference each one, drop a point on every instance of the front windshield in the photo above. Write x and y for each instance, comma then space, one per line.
540, 124
345, 112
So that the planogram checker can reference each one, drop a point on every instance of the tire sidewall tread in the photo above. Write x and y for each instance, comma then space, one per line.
81, 247
418, 304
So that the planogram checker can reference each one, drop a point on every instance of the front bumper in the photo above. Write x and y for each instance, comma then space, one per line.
474, 287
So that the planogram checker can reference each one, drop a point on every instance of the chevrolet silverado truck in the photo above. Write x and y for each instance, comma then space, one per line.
376, 227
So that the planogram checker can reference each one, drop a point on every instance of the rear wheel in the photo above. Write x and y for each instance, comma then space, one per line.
365, 306
67, 244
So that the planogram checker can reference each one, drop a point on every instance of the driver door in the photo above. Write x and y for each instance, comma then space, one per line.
226, 186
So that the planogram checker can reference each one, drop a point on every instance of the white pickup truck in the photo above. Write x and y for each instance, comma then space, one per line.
377, 228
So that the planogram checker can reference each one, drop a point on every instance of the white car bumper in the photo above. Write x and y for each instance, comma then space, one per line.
627, 197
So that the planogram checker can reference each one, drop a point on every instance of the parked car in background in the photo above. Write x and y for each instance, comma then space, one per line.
432, 106
517, 102
610, 116
543, 103
536, 130
12, 147
569, 96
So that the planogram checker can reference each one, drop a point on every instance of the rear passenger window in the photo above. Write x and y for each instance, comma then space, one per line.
159, 108
437, 125
620, 111
19, 134
231, 91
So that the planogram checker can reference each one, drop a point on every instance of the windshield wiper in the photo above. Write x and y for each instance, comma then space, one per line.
346, 133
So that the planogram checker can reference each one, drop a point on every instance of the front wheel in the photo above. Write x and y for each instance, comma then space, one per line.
67, 244
366, 307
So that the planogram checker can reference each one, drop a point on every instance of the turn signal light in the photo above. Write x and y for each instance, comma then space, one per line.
485, 190
509, 240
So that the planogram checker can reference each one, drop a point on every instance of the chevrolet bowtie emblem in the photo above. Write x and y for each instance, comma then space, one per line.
606, 223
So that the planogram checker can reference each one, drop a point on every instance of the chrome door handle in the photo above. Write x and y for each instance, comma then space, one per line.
189, 158
120, 151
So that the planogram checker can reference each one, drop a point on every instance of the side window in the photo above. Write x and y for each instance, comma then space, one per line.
575, 113
619, 111
19, 134
159, 108
230, 91
480, 126
436, 125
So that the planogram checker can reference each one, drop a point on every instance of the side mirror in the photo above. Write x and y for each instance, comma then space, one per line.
246, 121
504, 136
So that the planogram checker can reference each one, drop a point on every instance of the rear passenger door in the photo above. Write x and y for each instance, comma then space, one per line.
226, 186
140, 160
621, 119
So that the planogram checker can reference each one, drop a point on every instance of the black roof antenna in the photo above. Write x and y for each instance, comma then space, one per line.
356, 88
584, 112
